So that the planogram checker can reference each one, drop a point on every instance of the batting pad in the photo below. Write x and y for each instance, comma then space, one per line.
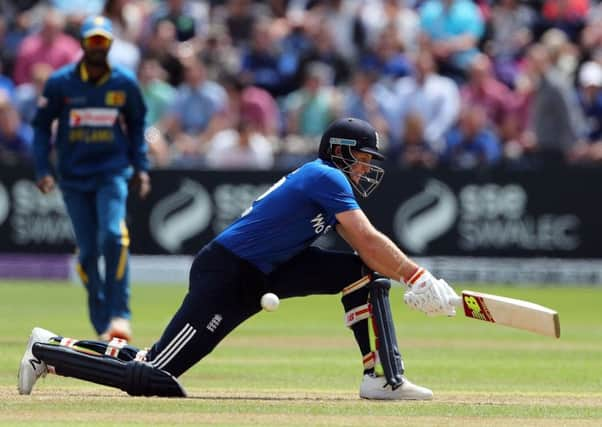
135, 378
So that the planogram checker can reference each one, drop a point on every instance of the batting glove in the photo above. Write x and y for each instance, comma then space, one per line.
429, 295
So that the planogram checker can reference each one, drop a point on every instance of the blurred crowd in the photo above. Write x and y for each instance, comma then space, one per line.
241, 84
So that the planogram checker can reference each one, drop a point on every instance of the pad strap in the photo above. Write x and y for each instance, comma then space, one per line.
68, 342
369, 360
356, 285
114, 346
356, 314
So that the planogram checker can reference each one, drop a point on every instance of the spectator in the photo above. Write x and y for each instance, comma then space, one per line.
28, 94
263, 66
379, 14
196, 113
241, 148
485, 91
414, 151
590, 97
16, 137
240, 20
556, 122
310, 109
126, 19
252, 102
591, 36
163, 45
471, 143
6, 84
452, 29
386, 56
371, 101
189, 18
511, 32
564, 55
343, 19
218, 53
436, 99
78, 7
157, 93
50, 45
322, 49
6, 57
566, 15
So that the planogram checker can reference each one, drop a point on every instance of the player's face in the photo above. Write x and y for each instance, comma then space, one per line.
96, 49
361, 167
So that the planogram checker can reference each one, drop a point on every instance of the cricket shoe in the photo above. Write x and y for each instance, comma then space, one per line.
118, 328
31, 367
376, 388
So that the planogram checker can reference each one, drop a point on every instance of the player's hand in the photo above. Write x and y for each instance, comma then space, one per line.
431, 296
46, 184
140, 183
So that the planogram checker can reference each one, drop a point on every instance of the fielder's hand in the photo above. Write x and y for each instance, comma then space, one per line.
429, 295
46, 184
140, 183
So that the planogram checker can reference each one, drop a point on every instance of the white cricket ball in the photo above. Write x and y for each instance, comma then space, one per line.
270, 302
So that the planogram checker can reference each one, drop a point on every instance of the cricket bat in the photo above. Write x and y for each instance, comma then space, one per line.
511, 312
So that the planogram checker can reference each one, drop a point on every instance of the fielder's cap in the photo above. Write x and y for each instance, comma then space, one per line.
590, 74
97, 26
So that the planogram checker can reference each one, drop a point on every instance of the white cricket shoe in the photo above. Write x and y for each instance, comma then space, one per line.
376, 388
31, 367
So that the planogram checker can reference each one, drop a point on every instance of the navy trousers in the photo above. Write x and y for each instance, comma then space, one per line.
225, 290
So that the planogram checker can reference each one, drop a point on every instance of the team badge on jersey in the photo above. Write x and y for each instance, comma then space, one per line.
115, 98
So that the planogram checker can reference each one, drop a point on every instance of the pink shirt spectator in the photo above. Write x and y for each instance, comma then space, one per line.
258, 106
485, 91
50, 46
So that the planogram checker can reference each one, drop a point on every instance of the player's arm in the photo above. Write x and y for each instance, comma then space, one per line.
374, 248
378, 252
135, 114
49, 107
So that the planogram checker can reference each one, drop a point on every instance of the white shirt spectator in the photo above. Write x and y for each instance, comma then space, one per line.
436, 101
228, 151
125, 54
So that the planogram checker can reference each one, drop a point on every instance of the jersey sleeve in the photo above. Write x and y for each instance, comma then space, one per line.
135, 113
49, 108
333, 192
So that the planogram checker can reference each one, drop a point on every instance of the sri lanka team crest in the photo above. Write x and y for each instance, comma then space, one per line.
115, 98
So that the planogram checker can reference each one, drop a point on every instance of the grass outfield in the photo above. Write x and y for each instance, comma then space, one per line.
299, 366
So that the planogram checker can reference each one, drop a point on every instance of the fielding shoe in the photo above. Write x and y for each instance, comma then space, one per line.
31, 367
376, 388
119, 328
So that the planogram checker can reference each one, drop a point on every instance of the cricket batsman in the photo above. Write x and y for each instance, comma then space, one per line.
99, 145
269, 250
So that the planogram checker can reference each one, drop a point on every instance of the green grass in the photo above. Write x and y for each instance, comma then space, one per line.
299, 365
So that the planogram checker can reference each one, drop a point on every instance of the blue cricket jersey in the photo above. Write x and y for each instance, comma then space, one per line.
288, 217
100, 126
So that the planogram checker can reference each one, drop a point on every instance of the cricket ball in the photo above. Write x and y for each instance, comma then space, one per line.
270, 301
